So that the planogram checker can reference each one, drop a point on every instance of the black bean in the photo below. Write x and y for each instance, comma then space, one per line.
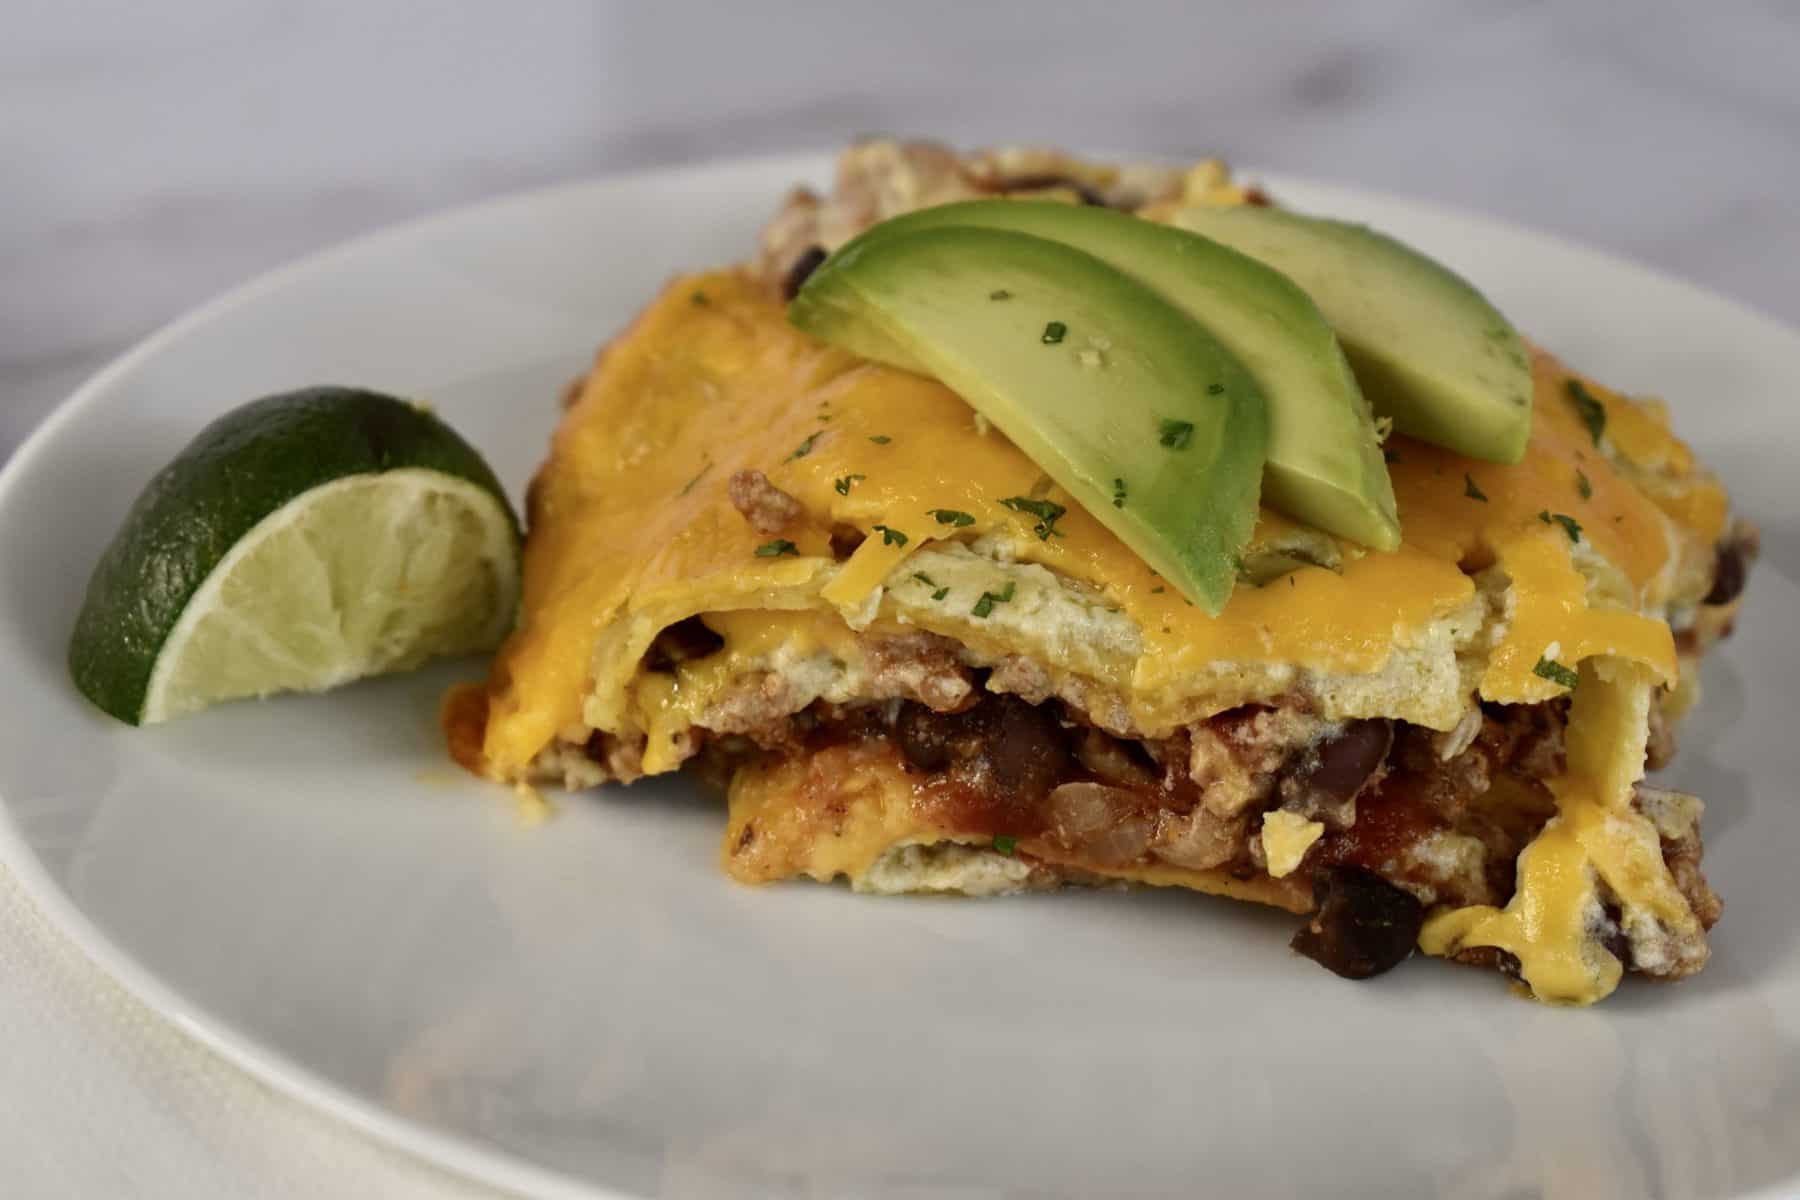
1365, 925
1017, 750
1728, 574
1026, 749
801, 271
1327, 778
925, 736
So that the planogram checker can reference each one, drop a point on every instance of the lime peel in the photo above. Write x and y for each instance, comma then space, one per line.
298, 542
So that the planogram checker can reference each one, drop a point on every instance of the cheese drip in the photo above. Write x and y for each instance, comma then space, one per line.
1553, 922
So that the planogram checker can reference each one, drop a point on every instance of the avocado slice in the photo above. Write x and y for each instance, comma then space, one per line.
1325, 465
1429, 349
1116, 393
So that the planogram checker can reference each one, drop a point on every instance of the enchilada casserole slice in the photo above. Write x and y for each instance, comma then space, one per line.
738, 560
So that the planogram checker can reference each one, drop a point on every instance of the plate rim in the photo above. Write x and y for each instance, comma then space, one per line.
457, 1154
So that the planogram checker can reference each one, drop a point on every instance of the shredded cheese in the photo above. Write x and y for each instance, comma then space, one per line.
1286, 837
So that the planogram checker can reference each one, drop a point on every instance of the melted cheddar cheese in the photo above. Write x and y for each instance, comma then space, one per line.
632, 529
1597, 840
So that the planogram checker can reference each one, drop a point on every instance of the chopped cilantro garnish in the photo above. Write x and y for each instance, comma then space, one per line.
1118, 493
950, 516
985, 605
1177, 434
1582, 485
1005, 843
1555, 672
1158, 589
999, 294
1215, 389
1590, 410
1053, 333
1471, 491
1390, 456
698, 298
776, 548
1570, 525
881, 439
844, 483
929, 582
803, 449
891, 537
1047, 512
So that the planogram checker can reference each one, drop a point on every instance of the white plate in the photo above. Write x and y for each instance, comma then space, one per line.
308, 887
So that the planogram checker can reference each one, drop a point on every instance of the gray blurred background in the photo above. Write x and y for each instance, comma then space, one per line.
153, 154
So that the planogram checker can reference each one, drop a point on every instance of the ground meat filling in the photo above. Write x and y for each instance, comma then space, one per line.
1409, 817
1444, 829
1397, 818
765, 506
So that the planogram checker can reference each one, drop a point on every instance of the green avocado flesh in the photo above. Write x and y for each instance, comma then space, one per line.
1325, 465
1428, 349
1097, 378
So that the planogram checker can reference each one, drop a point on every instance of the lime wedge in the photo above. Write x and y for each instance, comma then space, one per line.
299, 542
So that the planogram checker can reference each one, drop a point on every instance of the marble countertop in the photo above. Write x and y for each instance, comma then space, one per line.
151, 156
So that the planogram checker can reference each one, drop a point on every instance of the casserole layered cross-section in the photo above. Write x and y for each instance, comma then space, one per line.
920, 666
